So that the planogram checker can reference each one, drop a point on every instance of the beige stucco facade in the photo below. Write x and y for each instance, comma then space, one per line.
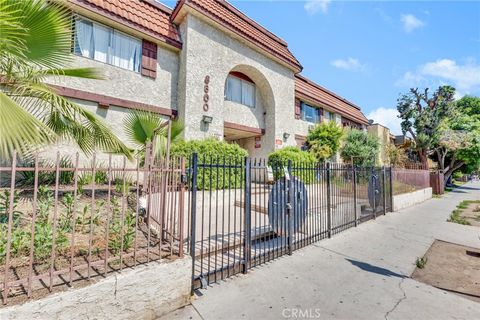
384, 137
210, 51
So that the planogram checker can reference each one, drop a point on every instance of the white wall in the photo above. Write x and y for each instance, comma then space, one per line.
145, 292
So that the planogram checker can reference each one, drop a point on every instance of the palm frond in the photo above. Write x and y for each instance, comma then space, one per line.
20, 130
86, 73
139, 127
71, 121
12, 32
46, 41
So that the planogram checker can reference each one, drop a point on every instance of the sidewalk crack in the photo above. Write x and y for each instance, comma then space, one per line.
196, 310
399, 300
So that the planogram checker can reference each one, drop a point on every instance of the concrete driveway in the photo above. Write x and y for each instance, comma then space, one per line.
362, 273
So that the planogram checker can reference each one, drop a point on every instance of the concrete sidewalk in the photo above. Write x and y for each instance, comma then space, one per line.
362, 273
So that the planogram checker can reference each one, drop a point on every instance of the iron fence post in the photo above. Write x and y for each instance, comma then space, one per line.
290, 204
374, 192
391, 189
329, 206
384, 189
355, 194
248, 218
193, 210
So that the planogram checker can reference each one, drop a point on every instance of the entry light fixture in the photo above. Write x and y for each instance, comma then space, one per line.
286, 135
207, 119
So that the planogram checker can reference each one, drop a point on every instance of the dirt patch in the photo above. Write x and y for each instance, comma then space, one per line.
452, 267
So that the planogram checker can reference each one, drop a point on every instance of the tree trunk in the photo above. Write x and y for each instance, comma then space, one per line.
423, 158
450, 171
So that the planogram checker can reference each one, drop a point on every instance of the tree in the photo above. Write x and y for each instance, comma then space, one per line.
360, 148
324, 140
140, 127
397, 156
422, 115
35, 42
450, 140
467, 121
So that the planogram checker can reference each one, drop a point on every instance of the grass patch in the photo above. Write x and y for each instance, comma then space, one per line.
455, 217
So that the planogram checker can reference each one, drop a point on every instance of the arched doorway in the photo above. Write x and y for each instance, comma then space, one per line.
248, 110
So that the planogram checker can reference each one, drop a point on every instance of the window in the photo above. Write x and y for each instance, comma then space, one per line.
327, 115
240, 90
104, 44
309, 113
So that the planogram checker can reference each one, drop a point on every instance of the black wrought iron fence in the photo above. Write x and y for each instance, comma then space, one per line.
245, 212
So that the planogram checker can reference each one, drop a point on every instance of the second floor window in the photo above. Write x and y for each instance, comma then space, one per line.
309, 113
240, 90
104, 44
329, 116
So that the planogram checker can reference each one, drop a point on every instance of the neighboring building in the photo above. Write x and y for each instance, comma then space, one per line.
205, 62
385, 138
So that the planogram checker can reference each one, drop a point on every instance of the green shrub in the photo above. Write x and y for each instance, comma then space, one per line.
324, 140
361, 147
300, 159
44, 240
457, 174
27, 178
5, 206
213, 151
122, 233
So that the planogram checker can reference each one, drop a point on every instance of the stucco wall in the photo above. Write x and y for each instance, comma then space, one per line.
210, 51
125, 84
113, 117
145, 292
383, 134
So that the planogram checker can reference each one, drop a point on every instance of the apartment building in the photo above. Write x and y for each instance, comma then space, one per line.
204, 62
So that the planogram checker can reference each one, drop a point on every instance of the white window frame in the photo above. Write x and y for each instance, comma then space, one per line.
112, 34
242, 83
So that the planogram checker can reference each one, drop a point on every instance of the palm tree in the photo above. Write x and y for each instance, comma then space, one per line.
35, 43
142, 127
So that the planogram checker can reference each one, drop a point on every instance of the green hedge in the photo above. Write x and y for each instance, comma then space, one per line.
213, 151
457, 174
300, 159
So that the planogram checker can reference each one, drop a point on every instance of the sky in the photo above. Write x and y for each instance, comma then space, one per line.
369, 52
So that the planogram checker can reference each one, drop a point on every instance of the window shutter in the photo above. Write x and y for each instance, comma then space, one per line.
298, 111
149, 59
320, 115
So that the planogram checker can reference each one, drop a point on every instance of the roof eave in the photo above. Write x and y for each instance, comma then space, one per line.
177, 17
104, 13
303, 96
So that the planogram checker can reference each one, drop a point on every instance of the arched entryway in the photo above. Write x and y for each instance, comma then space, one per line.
248, 109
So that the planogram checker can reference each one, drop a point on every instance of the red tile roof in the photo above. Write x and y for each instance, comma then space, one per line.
233, 19
314, 93
146, 16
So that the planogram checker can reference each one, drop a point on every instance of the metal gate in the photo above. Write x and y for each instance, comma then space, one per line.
245, 212
165, 186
